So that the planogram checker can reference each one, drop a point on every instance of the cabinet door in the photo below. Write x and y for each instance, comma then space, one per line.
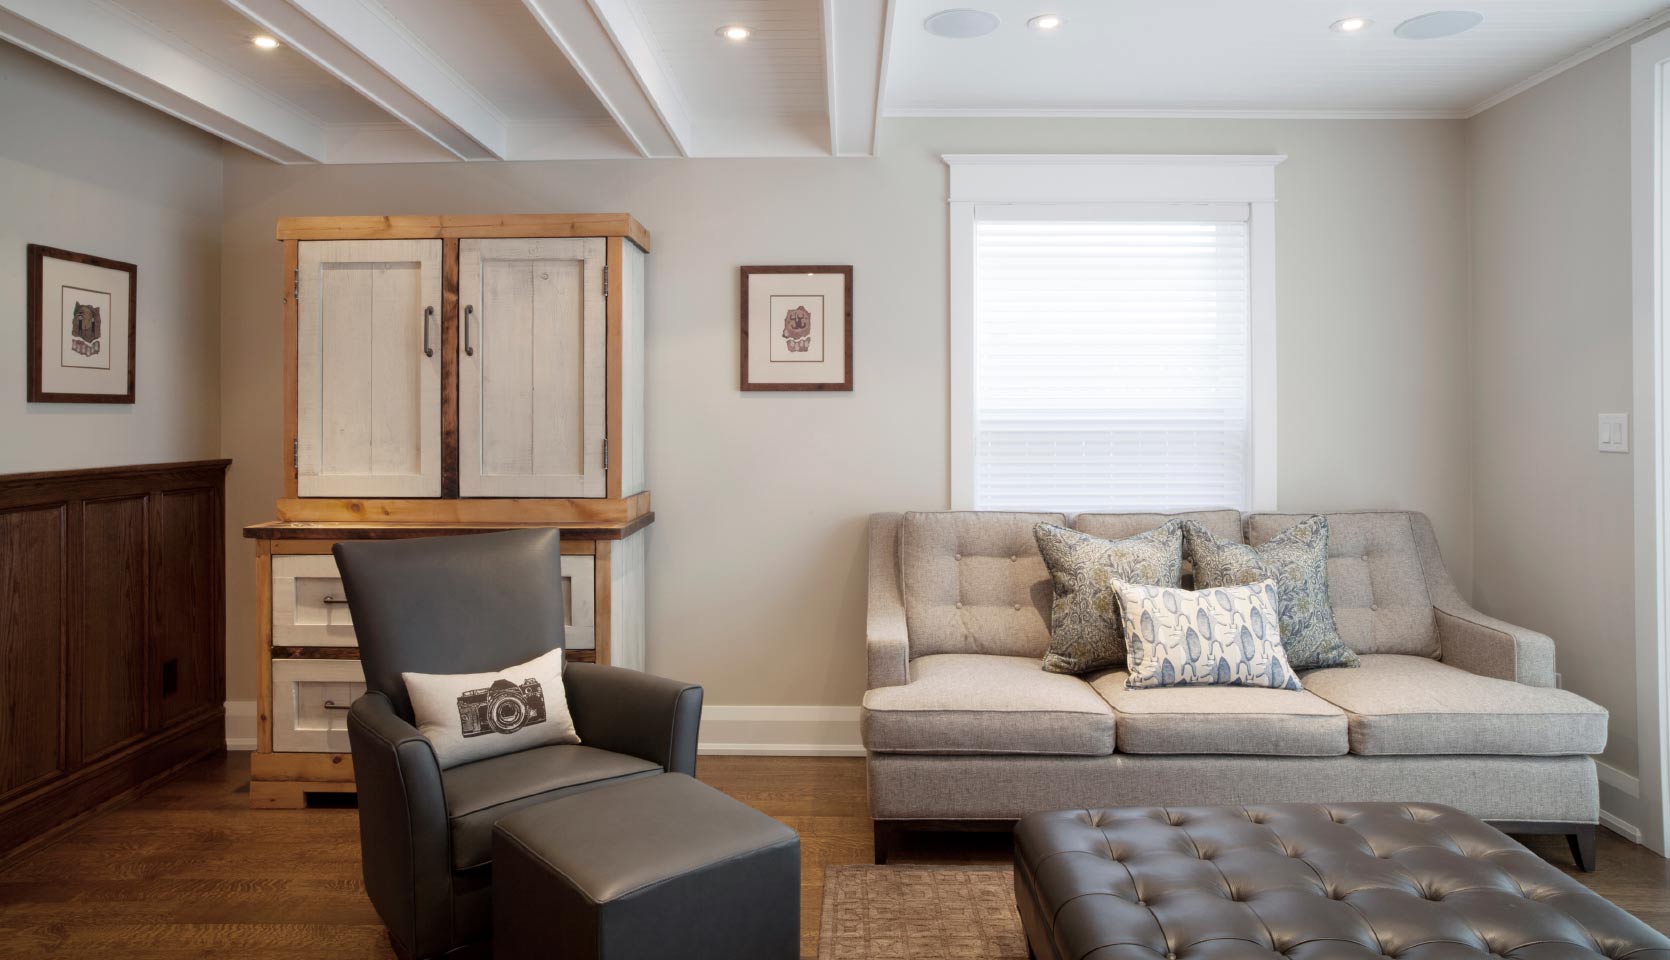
368, 368
531, 358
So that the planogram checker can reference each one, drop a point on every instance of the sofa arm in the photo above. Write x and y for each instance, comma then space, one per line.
1493, 648
886, 638
635, 713
405, 846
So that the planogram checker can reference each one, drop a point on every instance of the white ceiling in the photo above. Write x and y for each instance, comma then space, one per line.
358, 81
1225, 56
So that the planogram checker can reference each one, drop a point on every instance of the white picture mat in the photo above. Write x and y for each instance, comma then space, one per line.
765, 330
57, 378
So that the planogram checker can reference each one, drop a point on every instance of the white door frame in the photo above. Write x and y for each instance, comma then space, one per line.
1650, 71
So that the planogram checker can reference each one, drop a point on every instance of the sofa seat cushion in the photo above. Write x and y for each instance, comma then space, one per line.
478, 794
1222, 720
1412, 705
981, 704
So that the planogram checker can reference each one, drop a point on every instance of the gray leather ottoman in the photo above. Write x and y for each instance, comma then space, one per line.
1346, 881
664, 866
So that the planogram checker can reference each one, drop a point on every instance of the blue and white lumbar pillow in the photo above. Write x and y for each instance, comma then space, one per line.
1227, 635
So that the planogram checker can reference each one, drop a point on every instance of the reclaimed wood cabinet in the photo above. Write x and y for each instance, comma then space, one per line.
446, 375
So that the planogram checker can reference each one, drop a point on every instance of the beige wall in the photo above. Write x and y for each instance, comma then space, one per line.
1553, 540
757, 556
85, 169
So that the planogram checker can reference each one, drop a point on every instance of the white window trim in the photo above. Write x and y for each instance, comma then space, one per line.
1083, 180
1649, 123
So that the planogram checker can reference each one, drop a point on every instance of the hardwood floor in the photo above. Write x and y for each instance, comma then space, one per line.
188, 870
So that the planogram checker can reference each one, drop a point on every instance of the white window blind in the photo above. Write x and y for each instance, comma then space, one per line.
1112, 360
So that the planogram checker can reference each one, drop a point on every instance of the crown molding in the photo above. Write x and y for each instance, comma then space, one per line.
1203, 113
1116, 159
1582, 56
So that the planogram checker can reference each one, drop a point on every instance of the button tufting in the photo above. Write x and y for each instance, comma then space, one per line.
1017, 606
1374, 606
957, 557
1013, 558
959, 604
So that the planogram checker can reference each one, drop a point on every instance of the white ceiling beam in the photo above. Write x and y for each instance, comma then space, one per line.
613, 52
359, 44
854, 49
105, 45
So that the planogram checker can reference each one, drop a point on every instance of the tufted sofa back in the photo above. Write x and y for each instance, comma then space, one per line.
1379, 565
974, 581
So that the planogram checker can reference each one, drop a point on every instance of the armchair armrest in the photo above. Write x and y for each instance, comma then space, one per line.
1493, 648
405, 846
635, 713
886, 636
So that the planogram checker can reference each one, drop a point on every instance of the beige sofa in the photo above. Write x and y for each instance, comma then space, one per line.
965, 730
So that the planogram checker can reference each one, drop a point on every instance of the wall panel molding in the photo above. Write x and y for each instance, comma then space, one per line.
112, 628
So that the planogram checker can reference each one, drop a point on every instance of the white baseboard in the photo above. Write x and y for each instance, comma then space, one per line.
780, 731
1620, 795
726, 731
240, 724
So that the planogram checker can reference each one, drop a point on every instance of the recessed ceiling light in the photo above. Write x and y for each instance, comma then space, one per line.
961, 24
735, 31
1439, 23
1351, 25
1048, 21
265, 42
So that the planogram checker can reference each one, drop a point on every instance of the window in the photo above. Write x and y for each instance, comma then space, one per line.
1112, 356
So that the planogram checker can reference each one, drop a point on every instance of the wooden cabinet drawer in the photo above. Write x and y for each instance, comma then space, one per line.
310, 608
310, 704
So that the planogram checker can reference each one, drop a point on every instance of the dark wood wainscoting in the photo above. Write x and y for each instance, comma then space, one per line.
112, 635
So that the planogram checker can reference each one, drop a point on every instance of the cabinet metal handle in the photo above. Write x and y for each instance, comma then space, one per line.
428, 314
333, 600
469, 351
333, 705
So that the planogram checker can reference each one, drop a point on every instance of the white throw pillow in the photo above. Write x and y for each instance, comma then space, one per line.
472, 716
1227, 635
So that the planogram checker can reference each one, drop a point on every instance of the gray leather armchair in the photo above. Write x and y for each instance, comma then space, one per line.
469, 604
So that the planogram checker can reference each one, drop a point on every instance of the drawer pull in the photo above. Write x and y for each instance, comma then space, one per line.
428, 313
329, 599
333, 705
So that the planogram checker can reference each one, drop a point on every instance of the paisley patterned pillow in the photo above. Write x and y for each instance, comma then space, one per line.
1297, 559
1085, 632
1227, 636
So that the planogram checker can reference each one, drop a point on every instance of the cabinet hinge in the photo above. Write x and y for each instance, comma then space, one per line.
605, 282
605, 454
296, 285
295, 454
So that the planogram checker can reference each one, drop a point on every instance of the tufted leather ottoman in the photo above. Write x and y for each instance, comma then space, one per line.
1347, 881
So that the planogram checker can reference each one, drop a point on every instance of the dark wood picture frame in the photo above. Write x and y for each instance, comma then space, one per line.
846, 274
34, 322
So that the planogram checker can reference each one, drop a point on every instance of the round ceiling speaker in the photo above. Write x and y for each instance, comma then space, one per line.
961, 24
1439, 23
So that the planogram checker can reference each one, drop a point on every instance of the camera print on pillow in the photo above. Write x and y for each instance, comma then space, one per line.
1085, 632
1228, 636
504, 707
1297, 559
472, 716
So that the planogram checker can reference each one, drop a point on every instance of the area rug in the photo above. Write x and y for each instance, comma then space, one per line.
920, 913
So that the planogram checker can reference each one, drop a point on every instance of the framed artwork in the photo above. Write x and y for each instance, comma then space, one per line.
80, 327
797, 328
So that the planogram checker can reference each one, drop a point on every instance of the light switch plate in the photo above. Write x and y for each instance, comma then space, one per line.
1614, 433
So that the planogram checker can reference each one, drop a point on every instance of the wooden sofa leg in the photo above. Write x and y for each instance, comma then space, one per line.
1583, 847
